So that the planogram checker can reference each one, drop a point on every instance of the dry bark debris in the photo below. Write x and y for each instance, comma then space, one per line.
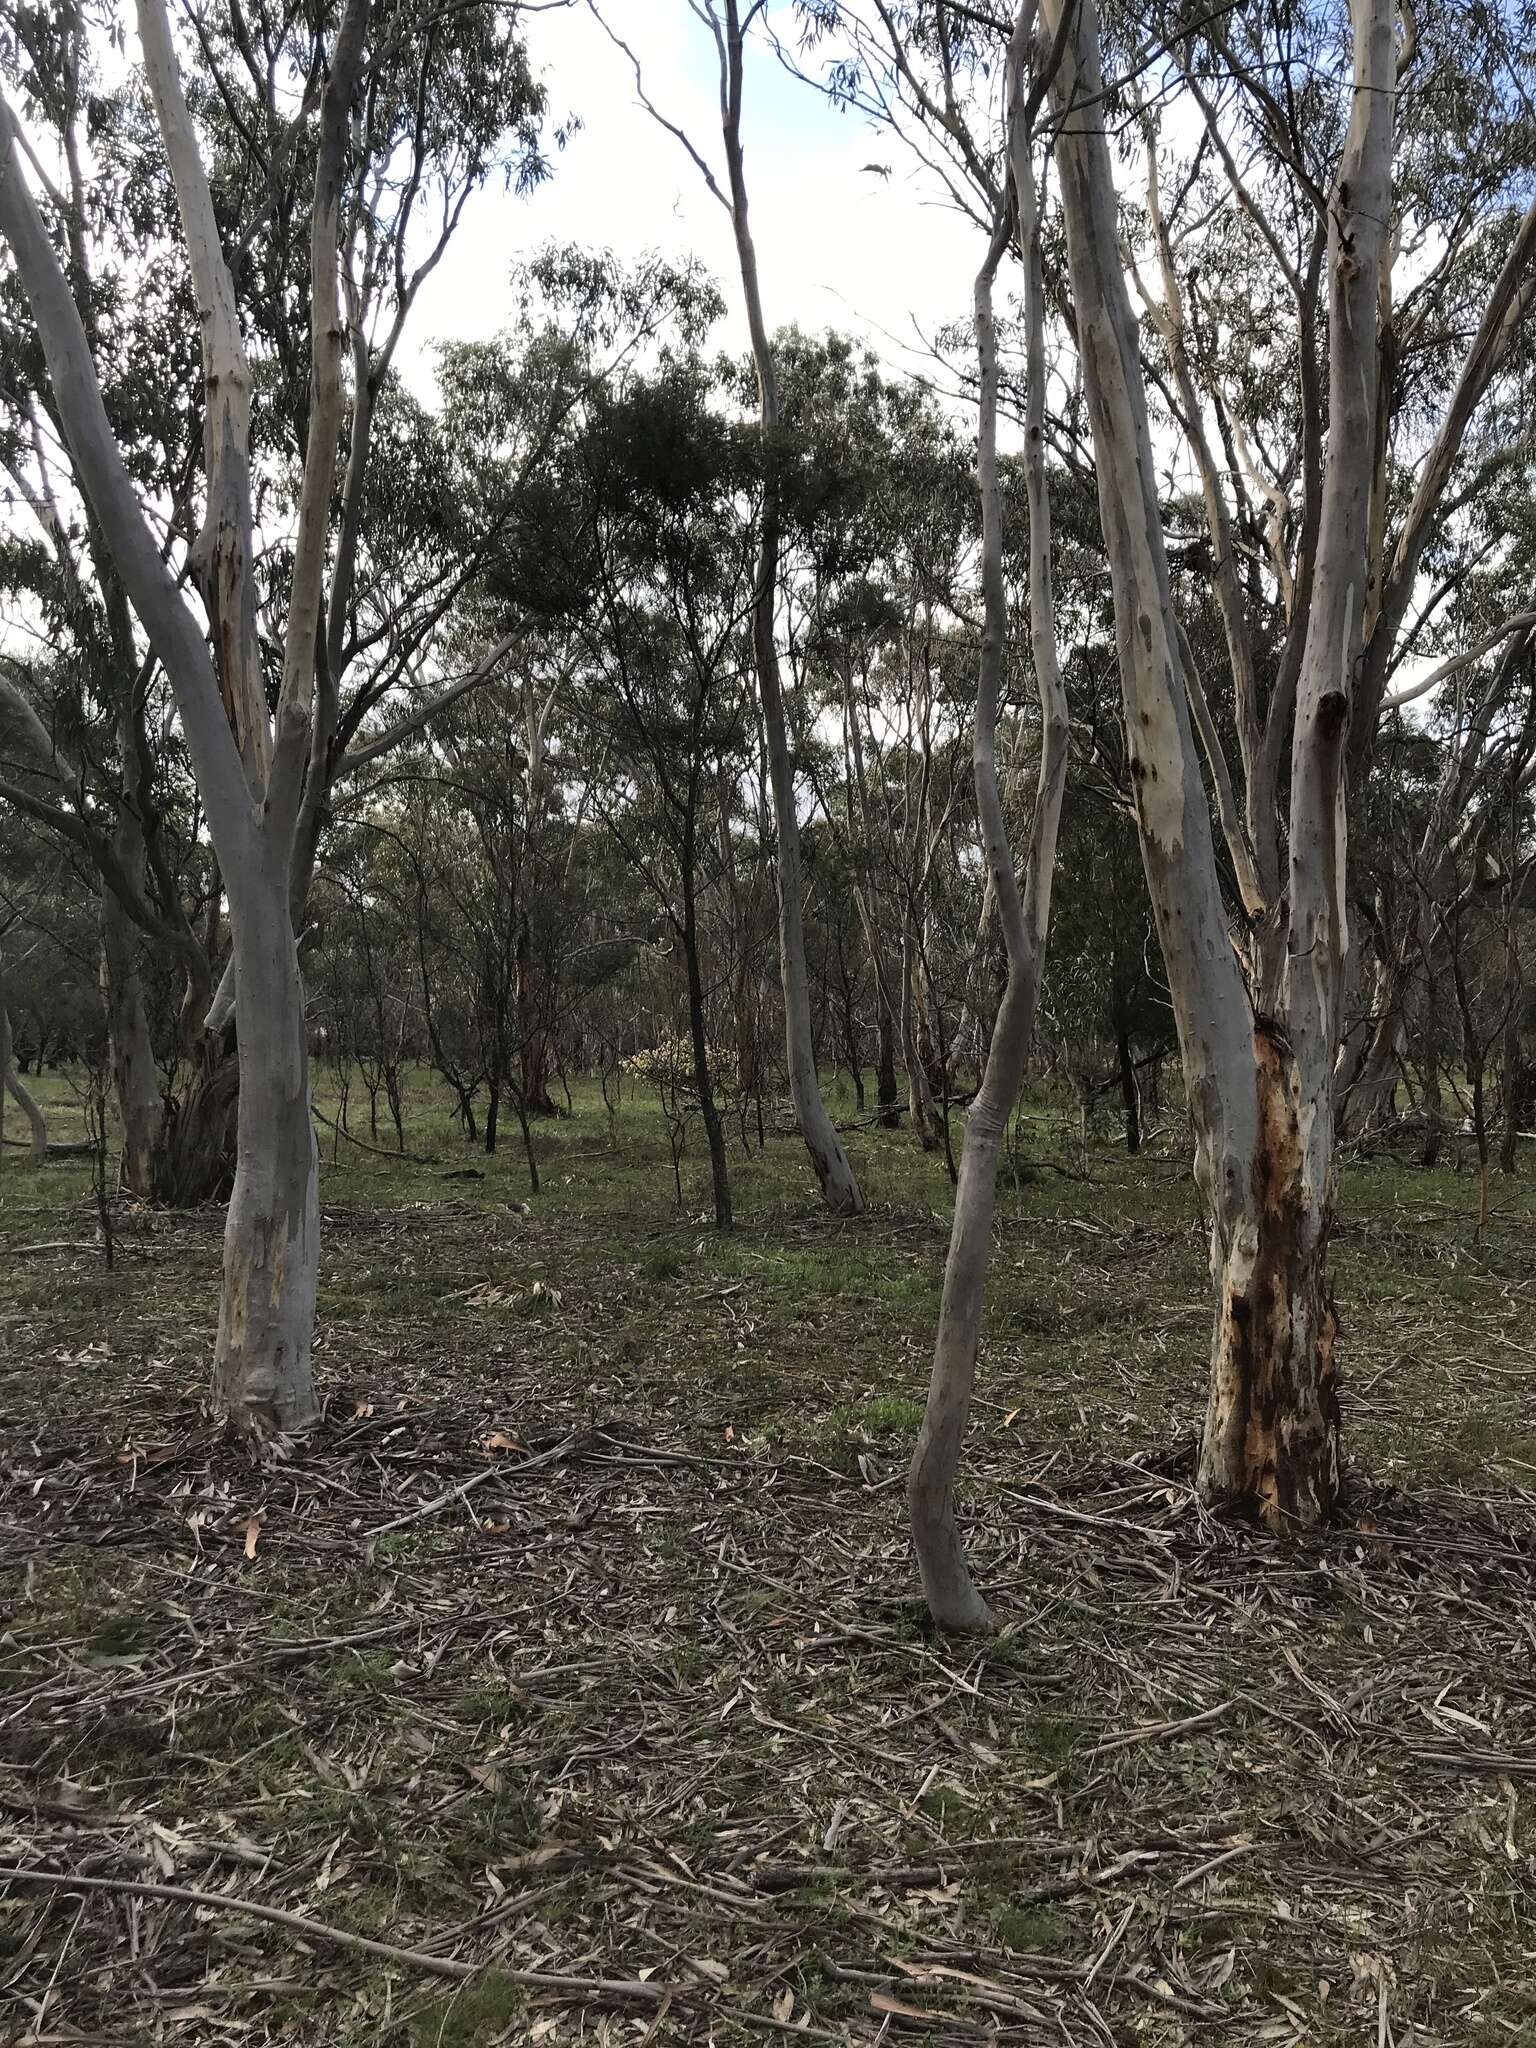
638, 1723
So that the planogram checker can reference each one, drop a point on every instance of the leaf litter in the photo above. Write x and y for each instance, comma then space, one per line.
559, 1691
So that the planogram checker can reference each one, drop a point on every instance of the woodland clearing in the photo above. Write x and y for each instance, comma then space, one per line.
581, 1647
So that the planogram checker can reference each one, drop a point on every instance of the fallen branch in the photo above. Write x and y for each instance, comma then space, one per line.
379, 1151
467, 1486
74, 1148
298, 1923
1156, 1731
611, 1990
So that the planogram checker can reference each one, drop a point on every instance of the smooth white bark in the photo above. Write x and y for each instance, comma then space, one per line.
251, 793
1259, 1087
223, 554
263, 1379
1023, 911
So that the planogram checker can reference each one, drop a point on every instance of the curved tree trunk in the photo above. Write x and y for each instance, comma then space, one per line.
952, 1595
11, 1084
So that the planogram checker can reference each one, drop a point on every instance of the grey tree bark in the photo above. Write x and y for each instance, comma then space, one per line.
250, 776
12, 1084
1023, 910
135, 1079
1259, 1086
262, 1377
1291, 1463
834, 1171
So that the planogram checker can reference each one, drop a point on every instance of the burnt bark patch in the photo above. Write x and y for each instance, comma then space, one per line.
1271, 1448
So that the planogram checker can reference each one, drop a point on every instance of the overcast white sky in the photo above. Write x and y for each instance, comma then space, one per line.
837, 245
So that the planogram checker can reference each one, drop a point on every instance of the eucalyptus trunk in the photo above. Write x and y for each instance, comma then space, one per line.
250, 770
262, 1376
11, 1084
953, 1597
1272, 1422
834, 1172
1260, 1090
135, 1078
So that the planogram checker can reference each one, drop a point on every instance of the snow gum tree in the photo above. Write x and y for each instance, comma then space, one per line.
250, 766
312, 197
1258, 1071
1335, 299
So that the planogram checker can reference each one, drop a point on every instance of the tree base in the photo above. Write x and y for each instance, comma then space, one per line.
195, 1155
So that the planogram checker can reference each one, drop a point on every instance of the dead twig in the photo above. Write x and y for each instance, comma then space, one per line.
378, 1151
458, 1492
298, 1923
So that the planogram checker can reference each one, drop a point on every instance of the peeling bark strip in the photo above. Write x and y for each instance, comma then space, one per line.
1271, 1434
1024, 913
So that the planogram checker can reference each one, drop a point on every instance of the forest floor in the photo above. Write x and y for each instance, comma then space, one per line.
578, 1652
